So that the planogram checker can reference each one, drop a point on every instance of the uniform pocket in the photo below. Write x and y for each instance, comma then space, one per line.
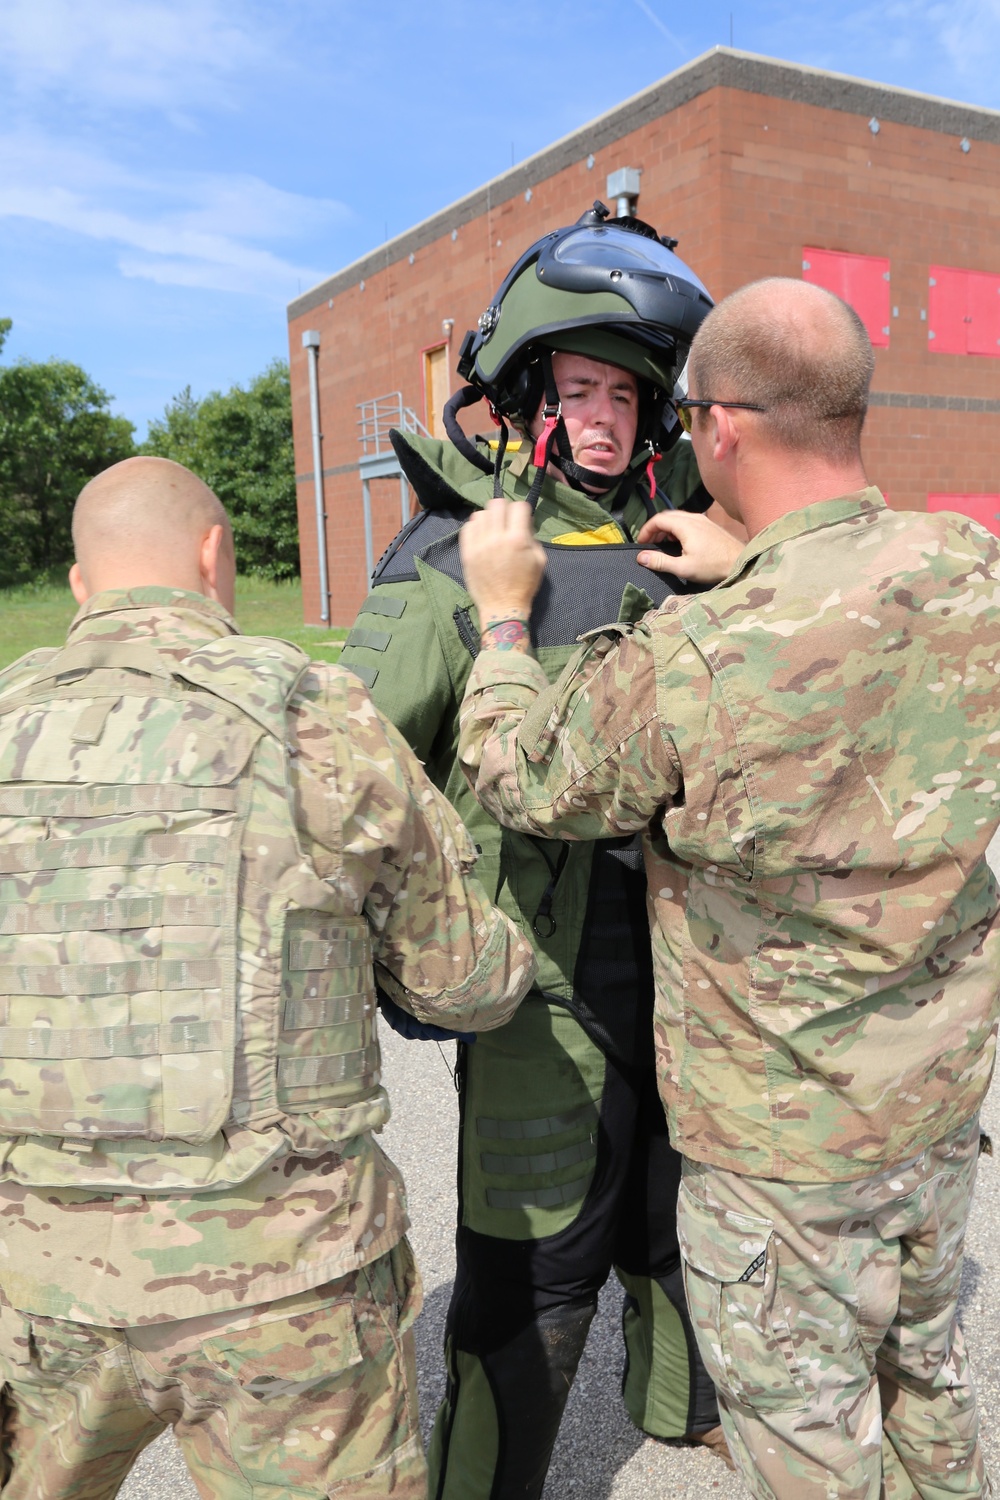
47, 1349
282, 1358
732, 1279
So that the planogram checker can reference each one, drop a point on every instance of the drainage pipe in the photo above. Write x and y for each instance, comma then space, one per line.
310, 342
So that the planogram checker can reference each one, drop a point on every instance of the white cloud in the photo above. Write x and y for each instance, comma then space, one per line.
199, 229
945, 47
969, 33
144, 53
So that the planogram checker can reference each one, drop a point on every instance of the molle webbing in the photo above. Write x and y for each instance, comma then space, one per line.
133, 997
533, 1129
558, 1143
100, 801
101, 853
326, 1048
152, 882
541, 1161
117, 914
45, 1042
547, 1197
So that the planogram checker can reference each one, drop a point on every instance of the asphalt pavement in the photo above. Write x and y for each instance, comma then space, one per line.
599, 1455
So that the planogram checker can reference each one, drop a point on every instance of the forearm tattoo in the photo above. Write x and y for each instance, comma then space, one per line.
505, 635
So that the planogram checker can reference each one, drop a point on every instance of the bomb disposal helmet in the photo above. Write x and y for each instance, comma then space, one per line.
611, 289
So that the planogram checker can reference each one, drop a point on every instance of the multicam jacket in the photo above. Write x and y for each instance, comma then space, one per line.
813, 751
205, 843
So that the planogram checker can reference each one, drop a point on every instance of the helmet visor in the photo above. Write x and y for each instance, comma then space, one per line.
608, 249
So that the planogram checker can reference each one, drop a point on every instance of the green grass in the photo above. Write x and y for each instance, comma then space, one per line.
39, 614
264, 608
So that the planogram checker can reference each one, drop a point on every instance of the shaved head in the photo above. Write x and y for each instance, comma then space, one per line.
151, 521
797, 351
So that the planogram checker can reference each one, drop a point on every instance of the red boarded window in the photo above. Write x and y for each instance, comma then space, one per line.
963, 311
861, 280
982, 508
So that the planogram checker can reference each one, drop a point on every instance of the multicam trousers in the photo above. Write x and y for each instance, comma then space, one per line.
826, 1314
310, 1395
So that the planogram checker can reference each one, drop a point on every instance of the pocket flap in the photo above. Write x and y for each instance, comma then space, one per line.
276, 1358
720, 1243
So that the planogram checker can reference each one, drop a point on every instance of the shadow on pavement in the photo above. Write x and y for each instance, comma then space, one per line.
429, 1335
972, 1276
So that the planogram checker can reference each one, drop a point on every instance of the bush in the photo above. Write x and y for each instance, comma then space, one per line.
56, 432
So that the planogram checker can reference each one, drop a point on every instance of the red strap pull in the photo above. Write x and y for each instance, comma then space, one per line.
540, 457
654, 458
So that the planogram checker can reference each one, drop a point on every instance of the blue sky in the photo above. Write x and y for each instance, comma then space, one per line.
171, 174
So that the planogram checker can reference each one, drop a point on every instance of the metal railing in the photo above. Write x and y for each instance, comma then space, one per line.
378, 461
379, 415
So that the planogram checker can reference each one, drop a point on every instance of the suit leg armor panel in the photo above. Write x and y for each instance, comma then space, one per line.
666, 1389
530, 1107
529, 1272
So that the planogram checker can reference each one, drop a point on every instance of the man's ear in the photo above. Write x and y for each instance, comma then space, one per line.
79, 589
725, 433
208, 562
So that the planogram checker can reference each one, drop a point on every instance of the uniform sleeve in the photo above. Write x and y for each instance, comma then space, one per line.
584, 759
391, 841
394, 649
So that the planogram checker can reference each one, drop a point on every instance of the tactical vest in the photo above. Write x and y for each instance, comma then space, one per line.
610, 961
179, 987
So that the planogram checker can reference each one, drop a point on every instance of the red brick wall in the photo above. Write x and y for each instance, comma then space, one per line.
744, 180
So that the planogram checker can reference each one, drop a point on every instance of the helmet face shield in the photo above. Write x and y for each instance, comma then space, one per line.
584, 255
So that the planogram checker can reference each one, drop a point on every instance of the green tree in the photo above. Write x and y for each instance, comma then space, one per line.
56, 432
240, 443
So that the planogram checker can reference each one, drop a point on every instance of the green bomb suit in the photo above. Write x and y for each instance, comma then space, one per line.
565, 1167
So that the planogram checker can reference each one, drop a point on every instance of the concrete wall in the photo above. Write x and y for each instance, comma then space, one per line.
746, 161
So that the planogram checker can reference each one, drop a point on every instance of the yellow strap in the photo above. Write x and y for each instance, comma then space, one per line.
603, 536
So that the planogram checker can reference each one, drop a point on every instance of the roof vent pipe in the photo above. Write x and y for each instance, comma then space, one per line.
623, 186
310, 342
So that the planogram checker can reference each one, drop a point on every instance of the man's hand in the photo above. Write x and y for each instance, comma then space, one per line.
707, 553
502, 562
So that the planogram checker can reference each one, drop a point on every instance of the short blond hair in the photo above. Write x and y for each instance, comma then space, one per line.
797, 351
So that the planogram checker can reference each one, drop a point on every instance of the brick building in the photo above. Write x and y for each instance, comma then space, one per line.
760, 168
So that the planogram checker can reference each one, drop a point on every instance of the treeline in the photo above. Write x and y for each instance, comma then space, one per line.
57, 431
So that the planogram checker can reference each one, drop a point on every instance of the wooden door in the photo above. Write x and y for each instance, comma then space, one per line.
437, 388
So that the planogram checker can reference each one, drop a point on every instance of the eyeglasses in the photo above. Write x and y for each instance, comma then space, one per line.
683, 406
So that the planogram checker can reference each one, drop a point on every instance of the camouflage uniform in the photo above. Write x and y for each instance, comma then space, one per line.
248, 1281
827, 951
